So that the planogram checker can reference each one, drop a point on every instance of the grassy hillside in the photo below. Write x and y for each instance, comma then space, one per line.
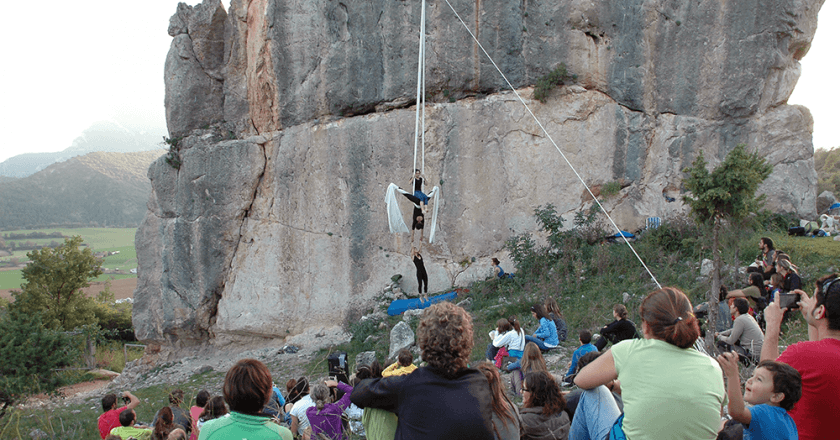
827, 164
98, 189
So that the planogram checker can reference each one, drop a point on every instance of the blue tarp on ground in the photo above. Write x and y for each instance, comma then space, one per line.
401, 305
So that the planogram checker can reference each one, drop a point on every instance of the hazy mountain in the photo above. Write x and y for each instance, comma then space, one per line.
106, 136
97, 189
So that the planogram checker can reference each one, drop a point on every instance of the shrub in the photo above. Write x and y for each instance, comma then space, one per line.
556, 77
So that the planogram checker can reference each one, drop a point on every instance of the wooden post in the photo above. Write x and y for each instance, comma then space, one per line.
90, 352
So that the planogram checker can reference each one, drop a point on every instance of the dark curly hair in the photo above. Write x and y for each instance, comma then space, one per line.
445, 337
786, 380
544, 392
667, 314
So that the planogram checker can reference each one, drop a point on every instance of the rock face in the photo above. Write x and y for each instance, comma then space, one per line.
283, 228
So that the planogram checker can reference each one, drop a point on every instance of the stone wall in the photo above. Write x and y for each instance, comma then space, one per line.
283, 225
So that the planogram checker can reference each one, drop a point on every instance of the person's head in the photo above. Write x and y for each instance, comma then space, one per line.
247, 386
201, 398
372, 371
827, 304
109, 402
540, 390
774, 383
739, 305
491, 373
620, 311
300, 389
320, 395
416, 172
405, 358
783, 266
514, 323
552, 307
214, 409
413, 250
127, 417
532, 358
766, 244
164, 422
539, 312
503, 326
757, 280
495, 261
445, 337
176, 397
776, 280
586, 360
666, 315
585, 337
722, 293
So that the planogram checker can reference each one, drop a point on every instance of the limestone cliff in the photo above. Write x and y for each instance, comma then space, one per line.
275, 220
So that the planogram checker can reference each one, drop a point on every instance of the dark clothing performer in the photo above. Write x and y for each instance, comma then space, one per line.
422, 277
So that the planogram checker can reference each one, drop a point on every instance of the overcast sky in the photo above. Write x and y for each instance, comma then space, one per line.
69, 64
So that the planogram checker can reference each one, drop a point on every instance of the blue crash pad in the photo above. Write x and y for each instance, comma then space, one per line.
401, 305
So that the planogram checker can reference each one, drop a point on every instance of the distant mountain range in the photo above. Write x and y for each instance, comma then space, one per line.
98, 189
101, 136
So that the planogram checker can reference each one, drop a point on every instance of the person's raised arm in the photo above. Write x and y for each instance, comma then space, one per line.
133, 402
806, 306
737, 409
773, 320
598, 372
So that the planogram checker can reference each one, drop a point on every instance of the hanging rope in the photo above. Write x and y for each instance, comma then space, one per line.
550, 139
420, 112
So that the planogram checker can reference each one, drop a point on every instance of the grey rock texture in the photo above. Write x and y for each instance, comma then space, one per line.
401, 337
285, 229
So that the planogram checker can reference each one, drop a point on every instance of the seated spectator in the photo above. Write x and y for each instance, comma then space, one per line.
379, 424
546, 335
764, 263
755, 292
509, 335
554, 314
402, 366
300, 423
195, 411
675, 388
355, 414
325, 416
181, 416
532, 361
497, 270
597, 404
773, 389
585, 338
247, 389
816, 359
165, 427
129, 428
790, 273
505, 418
745, 336
775, 286
542, 408
444, 400
275, 405
723, 319
214, 409
618, 330
110, 417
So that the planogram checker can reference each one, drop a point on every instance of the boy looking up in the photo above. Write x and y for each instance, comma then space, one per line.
773, 389
402, 366
585, 338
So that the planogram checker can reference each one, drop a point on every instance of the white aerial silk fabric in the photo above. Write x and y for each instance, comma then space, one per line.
396, 223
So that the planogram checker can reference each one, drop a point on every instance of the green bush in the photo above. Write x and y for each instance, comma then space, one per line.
556, 77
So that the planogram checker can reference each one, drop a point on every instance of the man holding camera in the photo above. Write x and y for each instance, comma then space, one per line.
110, 418
816, 359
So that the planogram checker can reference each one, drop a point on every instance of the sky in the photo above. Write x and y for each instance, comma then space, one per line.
70, 64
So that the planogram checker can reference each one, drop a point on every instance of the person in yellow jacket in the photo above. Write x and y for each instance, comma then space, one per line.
403, 365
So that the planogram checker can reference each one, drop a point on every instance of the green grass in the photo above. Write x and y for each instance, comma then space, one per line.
99, 240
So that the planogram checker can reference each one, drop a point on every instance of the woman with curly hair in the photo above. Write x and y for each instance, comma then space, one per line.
668, 386
505, 420
444, 400
542, 408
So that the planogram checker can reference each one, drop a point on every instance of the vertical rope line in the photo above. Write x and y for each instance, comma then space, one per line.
423, 96
419, 106
627, 242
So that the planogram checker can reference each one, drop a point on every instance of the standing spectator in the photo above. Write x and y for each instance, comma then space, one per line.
195, 411
325, 416
247, 389
668, 387
543, 415
745, 336
546, 335
618, 330
110, 417
816, 359
444, 400
181, 416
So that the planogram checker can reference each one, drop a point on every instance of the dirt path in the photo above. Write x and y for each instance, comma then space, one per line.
122, 289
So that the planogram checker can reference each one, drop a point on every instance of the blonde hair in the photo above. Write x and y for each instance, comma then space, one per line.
532, 359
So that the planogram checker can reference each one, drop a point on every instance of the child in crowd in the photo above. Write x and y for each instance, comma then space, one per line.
402, 366
200, 400
773, 389
585, 337
776, 281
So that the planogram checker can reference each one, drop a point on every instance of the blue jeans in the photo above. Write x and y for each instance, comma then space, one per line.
540, 343
595, 414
